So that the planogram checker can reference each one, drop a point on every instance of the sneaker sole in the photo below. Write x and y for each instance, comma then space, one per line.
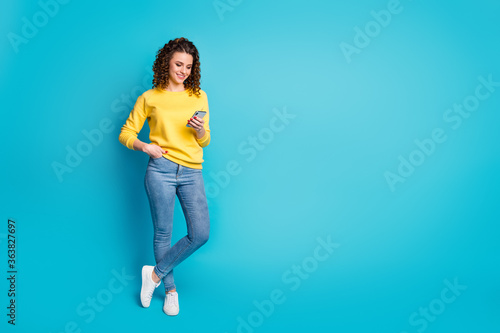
144, 276
170, 314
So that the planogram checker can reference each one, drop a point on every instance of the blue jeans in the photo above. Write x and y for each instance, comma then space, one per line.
164, 180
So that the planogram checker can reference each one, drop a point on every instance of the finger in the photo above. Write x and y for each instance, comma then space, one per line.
196, 125
200, 120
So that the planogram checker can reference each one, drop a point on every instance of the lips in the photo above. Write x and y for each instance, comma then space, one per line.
181, 76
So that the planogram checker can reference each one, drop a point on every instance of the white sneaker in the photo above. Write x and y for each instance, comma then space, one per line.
148, 285
171, 304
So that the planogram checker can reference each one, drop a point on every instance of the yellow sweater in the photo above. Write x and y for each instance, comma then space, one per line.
167, 113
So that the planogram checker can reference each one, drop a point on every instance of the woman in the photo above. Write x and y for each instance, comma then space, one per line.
175, 163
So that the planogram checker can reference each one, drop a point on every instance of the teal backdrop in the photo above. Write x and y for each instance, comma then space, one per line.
352, 175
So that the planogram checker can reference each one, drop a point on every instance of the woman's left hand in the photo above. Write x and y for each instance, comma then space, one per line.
196, 123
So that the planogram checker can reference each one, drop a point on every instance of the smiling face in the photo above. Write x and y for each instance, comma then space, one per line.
180, 67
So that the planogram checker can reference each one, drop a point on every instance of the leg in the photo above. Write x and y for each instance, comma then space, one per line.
160, 186
191, 194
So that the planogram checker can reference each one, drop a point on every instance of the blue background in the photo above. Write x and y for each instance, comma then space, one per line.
323, 175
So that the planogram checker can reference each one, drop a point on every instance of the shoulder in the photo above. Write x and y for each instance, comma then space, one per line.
150, 92
150, 96
203, 94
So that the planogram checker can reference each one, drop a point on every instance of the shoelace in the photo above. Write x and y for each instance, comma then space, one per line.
171, 299
151, 291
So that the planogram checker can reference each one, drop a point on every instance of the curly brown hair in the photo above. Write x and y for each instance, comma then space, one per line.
161, 65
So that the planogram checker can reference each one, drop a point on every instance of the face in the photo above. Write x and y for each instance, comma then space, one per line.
180, 67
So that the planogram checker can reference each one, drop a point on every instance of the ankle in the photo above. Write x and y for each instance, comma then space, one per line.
155, 277
171, 291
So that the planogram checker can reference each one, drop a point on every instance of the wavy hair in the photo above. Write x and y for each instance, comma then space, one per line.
161, 65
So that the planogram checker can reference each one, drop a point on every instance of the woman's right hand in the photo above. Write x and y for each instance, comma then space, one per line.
153, 150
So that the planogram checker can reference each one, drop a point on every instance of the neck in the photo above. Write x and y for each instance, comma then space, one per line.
172, 86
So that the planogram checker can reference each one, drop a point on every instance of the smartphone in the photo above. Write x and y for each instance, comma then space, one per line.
199, 114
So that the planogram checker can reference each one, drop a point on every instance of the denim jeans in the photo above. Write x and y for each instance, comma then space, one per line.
164, 180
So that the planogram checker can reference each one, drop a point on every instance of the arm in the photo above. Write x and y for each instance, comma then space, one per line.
152, 150
203, 130
133, 125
